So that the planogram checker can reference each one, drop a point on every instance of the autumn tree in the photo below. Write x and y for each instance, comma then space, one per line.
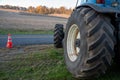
31, 9
38, 9
45, 10
51, 10
62, 10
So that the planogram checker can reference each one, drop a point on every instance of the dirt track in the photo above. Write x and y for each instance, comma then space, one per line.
28, 21
8, 54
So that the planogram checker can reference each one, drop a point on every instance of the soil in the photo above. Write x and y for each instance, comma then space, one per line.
21, 20
8, 54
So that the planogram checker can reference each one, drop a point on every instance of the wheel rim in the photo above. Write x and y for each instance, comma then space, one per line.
73, 42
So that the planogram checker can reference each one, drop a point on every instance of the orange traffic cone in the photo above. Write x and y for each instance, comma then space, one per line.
9, 42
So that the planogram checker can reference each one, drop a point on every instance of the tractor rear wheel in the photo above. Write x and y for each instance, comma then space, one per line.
88, 43
58, 35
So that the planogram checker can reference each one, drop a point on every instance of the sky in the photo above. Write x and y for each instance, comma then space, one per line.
34, 3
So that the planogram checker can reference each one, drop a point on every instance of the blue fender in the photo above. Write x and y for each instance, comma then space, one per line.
100, 9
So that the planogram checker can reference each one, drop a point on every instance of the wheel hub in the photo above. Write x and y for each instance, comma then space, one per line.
77, 42
73, 42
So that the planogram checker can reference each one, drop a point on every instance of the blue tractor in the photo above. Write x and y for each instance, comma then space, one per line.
91, 38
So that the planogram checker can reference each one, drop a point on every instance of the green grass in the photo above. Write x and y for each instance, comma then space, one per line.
22, 31
47, 64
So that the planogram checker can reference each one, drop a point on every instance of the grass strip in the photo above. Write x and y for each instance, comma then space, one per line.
23, 31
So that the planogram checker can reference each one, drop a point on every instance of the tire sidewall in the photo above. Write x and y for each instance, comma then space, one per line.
75, 66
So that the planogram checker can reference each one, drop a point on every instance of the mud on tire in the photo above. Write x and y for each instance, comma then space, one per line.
95, 51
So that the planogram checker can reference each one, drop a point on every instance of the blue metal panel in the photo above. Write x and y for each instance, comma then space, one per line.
87, 1
106, 7
90, 2
108, 3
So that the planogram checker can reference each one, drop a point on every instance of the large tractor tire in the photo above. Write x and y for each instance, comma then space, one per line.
89, 43
58, 36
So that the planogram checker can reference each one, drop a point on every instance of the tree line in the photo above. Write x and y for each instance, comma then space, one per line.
13, 7
46, 10
40, 9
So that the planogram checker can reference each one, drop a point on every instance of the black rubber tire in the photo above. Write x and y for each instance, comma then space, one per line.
58, 35
97, 43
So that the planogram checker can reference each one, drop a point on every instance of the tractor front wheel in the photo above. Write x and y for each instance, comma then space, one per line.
58, 35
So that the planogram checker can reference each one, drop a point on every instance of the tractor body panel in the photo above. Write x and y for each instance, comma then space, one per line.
108, 6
